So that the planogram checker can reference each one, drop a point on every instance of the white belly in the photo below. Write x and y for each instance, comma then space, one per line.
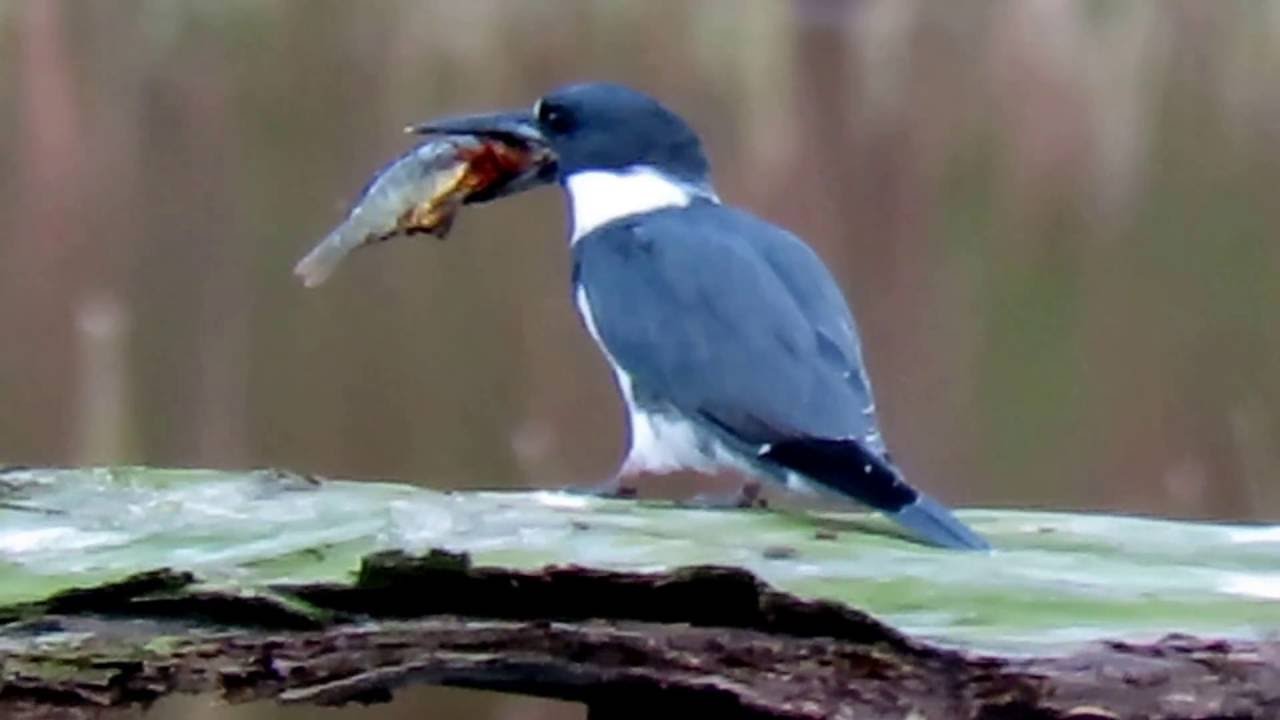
663, 444
660, 443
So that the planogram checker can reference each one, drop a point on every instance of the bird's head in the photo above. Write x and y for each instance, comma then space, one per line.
616, 150
594, 127
601, 127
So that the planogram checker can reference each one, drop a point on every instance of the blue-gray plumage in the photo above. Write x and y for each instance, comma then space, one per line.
720, 314
757, 350
731, 342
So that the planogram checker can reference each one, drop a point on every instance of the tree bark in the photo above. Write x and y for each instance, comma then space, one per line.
709, 640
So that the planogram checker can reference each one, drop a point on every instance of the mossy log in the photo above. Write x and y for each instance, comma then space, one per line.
121, 586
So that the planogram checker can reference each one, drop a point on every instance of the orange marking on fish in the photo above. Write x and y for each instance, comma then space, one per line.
494, 162
476, 168
435, 214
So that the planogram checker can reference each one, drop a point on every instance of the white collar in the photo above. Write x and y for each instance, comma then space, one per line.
602, 196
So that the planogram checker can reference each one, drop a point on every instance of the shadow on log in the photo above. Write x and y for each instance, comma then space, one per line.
708, 640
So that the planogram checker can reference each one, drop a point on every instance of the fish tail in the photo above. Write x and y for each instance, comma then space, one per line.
319, 264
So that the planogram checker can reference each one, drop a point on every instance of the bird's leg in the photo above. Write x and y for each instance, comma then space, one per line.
749, 495
615, 486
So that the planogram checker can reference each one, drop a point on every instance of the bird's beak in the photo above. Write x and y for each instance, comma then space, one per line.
516, 127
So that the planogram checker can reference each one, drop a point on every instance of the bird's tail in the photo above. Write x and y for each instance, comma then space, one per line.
929, 520
849, 469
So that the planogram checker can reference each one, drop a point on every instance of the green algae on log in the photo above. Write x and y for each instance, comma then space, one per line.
1054, 580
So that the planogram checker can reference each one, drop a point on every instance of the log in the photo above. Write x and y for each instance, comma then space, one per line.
120, 586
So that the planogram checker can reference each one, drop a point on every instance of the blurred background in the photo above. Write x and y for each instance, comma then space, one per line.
1057, 221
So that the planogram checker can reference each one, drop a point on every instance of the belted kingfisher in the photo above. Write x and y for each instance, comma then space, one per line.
732, 344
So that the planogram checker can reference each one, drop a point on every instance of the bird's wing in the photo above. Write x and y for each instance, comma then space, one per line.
818, 297
730, 318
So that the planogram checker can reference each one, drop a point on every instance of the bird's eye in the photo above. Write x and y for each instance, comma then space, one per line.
554, 118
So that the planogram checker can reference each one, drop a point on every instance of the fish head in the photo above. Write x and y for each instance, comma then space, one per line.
504, 152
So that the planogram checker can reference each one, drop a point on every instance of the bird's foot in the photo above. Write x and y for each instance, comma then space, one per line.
747, 496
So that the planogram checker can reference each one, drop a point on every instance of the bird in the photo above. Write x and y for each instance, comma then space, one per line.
732, 344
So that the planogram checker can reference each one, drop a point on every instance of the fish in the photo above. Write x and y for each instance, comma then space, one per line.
422, 191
